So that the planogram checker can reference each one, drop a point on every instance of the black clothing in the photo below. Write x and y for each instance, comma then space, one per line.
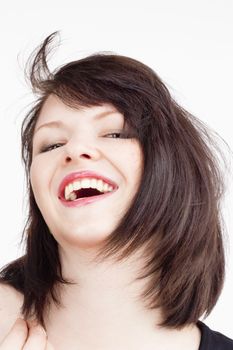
212, 340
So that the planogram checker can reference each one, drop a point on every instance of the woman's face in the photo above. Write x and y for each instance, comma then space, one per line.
67, 141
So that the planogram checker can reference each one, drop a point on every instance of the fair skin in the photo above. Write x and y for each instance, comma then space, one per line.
16, 333
103, 310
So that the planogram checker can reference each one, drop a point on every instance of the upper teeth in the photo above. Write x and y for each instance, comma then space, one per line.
99, 184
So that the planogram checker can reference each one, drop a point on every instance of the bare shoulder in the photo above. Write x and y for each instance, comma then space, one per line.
10, 308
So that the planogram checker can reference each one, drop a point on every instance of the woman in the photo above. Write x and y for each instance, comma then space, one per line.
124, 241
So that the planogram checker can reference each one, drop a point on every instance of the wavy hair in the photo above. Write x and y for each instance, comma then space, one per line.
175, 213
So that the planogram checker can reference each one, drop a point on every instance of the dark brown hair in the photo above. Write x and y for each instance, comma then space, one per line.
176, 209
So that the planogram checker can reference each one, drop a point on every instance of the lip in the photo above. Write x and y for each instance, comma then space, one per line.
80, 175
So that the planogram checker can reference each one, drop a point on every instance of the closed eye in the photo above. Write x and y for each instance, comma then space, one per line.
124, 135
51, 147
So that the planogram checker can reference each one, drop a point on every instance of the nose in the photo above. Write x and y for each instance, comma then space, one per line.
76, 151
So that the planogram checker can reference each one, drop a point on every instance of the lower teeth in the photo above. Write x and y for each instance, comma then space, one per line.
72, 196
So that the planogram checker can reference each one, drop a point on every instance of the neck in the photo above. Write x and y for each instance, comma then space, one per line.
103, 309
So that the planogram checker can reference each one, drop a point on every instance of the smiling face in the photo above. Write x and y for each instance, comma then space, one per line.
76, 140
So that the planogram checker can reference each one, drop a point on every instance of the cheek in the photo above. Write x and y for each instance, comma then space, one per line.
135, 161
131, 164
39, 177
33, 177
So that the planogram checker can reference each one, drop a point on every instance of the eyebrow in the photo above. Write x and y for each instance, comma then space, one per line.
59, 123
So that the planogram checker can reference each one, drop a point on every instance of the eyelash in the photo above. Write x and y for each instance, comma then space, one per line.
56, 145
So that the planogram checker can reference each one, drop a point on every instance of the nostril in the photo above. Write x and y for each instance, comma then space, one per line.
86, 156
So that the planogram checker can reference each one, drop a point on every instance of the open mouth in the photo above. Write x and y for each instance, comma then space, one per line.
84, 187
85, 196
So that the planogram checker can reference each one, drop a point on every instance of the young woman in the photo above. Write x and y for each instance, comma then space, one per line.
124, 234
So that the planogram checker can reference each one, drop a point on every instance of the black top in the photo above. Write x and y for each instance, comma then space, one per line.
212, 340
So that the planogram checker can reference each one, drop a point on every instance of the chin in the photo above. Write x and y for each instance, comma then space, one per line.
86, 238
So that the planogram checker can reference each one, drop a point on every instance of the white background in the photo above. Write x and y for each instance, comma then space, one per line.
188, 43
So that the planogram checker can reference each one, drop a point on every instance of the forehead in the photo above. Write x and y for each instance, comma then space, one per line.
55, 109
